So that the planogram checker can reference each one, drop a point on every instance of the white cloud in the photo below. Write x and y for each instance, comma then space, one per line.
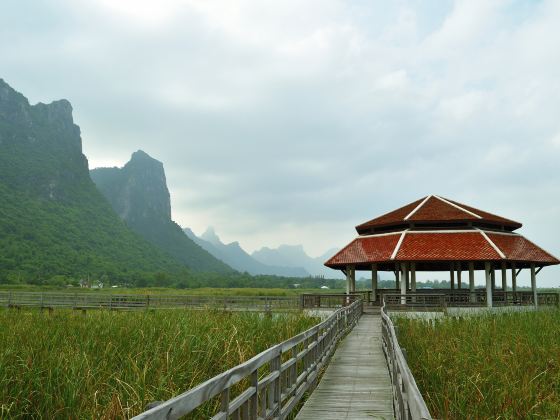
293, 121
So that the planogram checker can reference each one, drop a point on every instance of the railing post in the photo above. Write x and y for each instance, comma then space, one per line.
224, 406
253, 413
277, 362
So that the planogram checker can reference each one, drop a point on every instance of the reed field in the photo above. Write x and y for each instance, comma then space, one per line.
503, 366
103, 364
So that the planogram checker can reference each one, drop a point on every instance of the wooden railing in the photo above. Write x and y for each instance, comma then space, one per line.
328, 300
407, 399
424, 301
293, 368
443, 298
128, 302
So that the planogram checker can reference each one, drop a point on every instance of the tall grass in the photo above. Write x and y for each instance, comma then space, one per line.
111, 364
493, 366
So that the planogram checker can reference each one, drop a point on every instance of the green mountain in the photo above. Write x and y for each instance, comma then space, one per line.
138, 193
53, 220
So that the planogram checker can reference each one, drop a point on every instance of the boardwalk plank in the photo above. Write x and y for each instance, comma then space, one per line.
356, 384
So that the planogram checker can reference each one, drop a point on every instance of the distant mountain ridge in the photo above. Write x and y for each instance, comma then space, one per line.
53, 220
286, 260
295, 255
233, 255
139, 195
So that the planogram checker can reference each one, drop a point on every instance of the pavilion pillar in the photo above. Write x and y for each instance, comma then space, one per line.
374, 282
407, 276
504, 282
471, 282
397, 277
493, 277
459, 273
404, 282
452, 277
534, 285
513, 279
413, 277
350, 279
488, 271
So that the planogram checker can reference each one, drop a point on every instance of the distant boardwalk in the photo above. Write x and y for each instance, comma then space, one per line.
356, 384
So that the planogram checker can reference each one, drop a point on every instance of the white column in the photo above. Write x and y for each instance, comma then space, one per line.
534, 285
504, 282
404, 281
397, 276
413, 277
353, 284
488, 270
452, 277
459, 272
513, 278
348, 279
493, 277
374, 282
471, 282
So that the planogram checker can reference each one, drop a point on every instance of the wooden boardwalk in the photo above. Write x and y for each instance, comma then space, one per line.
356, 384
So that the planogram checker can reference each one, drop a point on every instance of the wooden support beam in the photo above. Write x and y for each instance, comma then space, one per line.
539, 270
459, 275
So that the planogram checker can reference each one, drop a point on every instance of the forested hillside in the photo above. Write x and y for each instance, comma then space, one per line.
138, 193
53, 220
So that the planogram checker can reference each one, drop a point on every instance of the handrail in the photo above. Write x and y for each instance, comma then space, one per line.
407, 399
138, 301
328, 300
465, 298
275, 395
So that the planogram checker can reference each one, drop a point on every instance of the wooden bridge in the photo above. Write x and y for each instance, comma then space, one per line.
356, 385
368, 376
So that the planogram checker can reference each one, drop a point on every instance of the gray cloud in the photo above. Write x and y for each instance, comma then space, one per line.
294, 121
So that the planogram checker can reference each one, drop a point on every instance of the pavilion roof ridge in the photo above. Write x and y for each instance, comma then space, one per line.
442, 231
435, 210
492, 244
399, 243
409, 215
458, 207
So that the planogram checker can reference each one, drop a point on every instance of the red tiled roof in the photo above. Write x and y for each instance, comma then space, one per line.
485, 215
435, 209
517, 248
394, 216
370, 249
467, 245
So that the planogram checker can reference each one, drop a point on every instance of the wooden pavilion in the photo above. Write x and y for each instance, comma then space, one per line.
438, 234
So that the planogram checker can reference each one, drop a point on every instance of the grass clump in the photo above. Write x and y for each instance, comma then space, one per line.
491, 366
111, 364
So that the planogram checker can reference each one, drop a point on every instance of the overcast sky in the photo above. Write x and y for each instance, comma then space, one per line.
293, 121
